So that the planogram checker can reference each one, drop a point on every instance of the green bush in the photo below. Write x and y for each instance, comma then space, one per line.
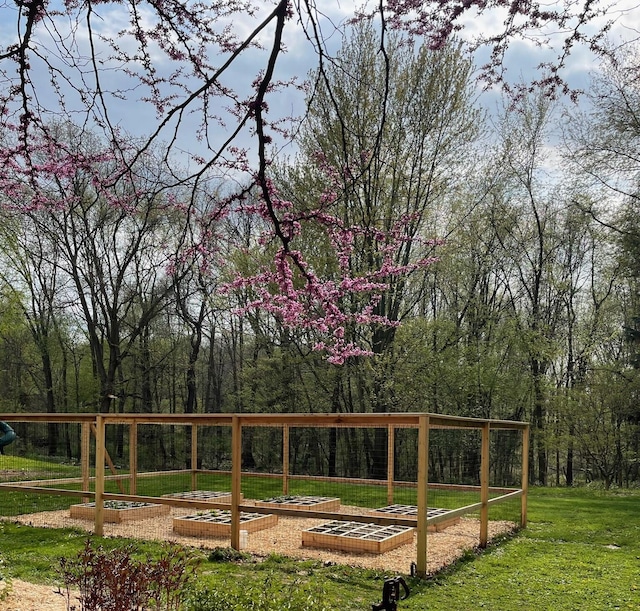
227, 554
119, 581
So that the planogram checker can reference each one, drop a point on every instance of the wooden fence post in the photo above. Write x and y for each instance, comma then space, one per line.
484, 484
525, 477
236, 479
100, 458
194, 456
133, 458
390, 462
423, 478
285, 459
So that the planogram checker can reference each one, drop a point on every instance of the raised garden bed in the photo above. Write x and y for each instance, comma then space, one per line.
411, 511
201, 495
120, 511
357, 537
218, 523
309, 503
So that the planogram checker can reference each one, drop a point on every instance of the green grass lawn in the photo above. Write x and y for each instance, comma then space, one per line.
580, 551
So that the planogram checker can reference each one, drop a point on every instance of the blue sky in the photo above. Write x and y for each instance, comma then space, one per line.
139, 118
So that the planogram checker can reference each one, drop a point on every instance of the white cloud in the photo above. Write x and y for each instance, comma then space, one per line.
139, 117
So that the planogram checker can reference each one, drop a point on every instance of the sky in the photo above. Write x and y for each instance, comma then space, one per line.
139, 118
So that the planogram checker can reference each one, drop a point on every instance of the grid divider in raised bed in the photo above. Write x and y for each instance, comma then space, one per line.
310, 503
411, 511
201, 495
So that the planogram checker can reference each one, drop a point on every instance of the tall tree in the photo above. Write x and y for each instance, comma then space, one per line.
391, 145
114, 246
603, 145
534, 243
30, 272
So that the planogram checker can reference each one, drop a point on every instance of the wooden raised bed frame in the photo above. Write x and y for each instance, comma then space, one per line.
357, 537
137, 511
217, 523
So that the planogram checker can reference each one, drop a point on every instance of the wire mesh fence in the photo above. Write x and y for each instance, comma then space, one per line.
364, 484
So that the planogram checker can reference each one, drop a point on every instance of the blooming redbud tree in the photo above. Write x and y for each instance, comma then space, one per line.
215, 84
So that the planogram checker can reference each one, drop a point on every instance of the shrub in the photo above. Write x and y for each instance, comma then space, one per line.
115, 580
227, 554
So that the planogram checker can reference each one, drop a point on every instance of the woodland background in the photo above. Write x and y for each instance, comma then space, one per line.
515, 226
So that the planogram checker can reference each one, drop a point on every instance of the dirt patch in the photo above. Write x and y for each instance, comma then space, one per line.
19, 475
25, 596
443, 548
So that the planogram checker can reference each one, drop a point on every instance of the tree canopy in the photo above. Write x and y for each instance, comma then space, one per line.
207, 82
